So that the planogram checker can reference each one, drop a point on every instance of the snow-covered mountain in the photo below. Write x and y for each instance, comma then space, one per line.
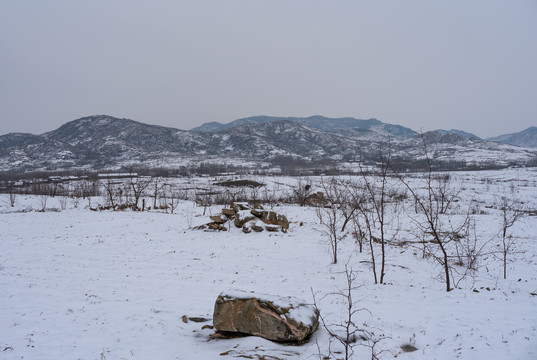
459, 132
462, 151
317, 122
94, 142
105, 142
527, 138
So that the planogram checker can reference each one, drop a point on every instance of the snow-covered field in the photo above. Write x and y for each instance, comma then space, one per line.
81, 284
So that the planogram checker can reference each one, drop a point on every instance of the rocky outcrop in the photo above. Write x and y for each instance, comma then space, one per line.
283, 319
248, 218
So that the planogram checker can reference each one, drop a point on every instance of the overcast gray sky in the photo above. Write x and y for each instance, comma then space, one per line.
469, 65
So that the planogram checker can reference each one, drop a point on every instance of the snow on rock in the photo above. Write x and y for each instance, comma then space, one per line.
272, 317
248, 218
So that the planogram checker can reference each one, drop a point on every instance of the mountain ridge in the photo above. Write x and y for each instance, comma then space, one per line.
315, 121
459, 132
526, 137
102, 141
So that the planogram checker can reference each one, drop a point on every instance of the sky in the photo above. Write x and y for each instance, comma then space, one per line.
424, 64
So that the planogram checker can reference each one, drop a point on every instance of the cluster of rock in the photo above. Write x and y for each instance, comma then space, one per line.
275, 318
248, 218
316, 199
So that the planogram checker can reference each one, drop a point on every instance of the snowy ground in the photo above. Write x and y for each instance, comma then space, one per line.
80, 284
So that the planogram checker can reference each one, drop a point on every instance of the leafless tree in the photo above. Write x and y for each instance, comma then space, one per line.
76, 200
63, 201
53, 188
12, 195
89, 188
348, 334
468, 249
378, 200
446, 193
173, 197
43, 202
138, 184
270, 195
110, 189
432, 203
156, 187
372, 197
358, 232
78, 193
302, 191
355, 201
163, 199
511, 211
120, 193
205, 198
364, 228
334, 214
129, 194
255, 194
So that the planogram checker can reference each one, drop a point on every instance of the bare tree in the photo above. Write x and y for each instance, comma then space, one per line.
138, 184
156, 187
89, 188
467, 249
119, 194
254, 194
511, 212
302, 191
371, 199
445, 192
334, 214
12, 195
76, 200
43, 202
163, 199
53, 188
173, 198
348, 334
364, 229
358, 232
205, 198
432, 203
378, 199
63, 201
110, 189
355, 202
126, 193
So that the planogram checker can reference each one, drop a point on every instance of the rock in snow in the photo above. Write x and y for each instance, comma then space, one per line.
275, 318
248, 218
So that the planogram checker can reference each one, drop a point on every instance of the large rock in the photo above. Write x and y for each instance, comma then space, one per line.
237, 206
283, 222
257, 213
242, 217
255, 226
284, 319
228, 212
219, 219
271, 218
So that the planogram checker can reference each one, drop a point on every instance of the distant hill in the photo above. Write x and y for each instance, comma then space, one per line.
104, 142
526, 138
316, 122
461, 133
